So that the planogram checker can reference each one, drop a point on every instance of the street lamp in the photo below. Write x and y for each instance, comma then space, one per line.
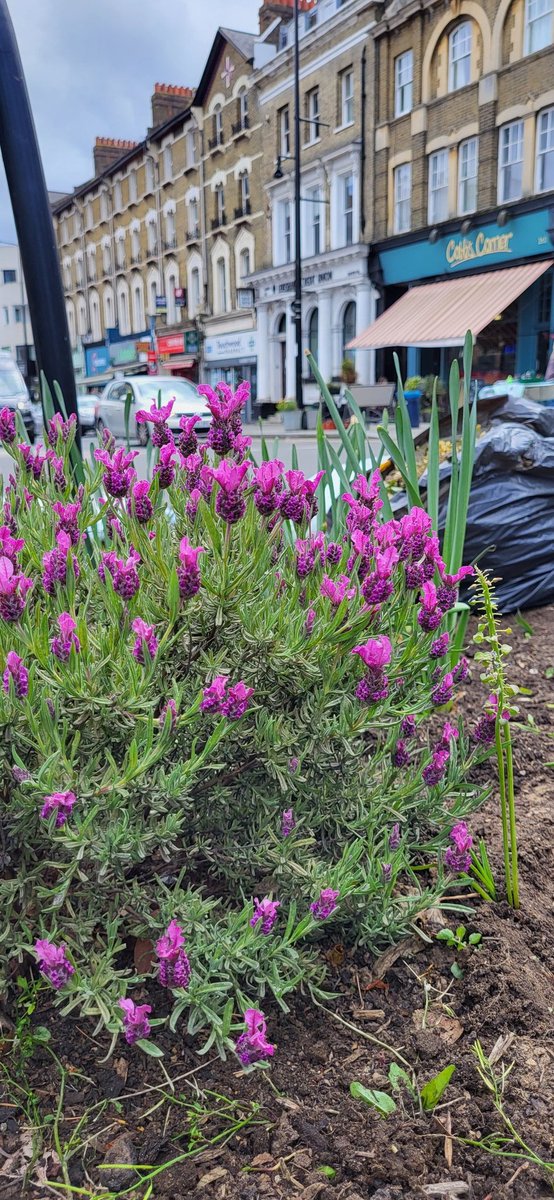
297, 302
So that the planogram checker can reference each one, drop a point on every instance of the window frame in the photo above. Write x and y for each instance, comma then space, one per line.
222, 278
312, 116
401, 86
528, 24
168, 162
9, 271
219, 192
441, 185
347, 211
346, 97
502, 197
398, 173
284, 131
455, 61
540, 155
244, 186
464, 210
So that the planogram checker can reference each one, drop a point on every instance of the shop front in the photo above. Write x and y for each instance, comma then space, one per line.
177, 353
230, 357
495, 279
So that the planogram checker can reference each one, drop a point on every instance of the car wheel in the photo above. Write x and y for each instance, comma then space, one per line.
142, 435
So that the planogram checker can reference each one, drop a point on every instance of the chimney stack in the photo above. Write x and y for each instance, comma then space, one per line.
107, 150
281, 8
168, 100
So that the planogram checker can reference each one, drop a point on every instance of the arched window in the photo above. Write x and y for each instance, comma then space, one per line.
123, 308
81, 316
221, 272
313, 333
108, 309
107, 258
194, 290
348, 327
219, 205
138, 306
152, 293
459, 56
71, 322
244, 263
95, 325
171, 282
218, 125
243, 108
135, 245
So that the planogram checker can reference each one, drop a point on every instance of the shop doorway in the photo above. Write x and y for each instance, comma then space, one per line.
282, 344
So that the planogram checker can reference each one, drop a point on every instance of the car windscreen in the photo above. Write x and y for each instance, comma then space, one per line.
171, 389
11, 382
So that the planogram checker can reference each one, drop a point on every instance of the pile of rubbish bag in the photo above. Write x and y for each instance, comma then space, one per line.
510, 522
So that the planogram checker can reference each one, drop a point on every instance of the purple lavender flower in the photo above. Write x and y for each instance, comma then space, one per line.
364, 506
461, 670
146, 643
58, 427
125, 576
17, 674
61, 803
333, 553
118, 472
439, 646
442, 694
307, 551
394, 837
298, 503
225, 409
252, 1046
337, 590
188, 441
294, 763
386, 871
55, 564
449, 734
458, 857
448, 591
68, 515
325, 904
309, 622
436, 769
139, 504
188, 573
135, 1021
268, 482
10, 546
67, 640
235, 703
430, 614
288, 822
20, 774
230, 502
408, 726
376, 655
173, 963
57, 471
400, 755
265, 911
171, 709
53, 963
33, 462
165, 469
214, 695
158, 418
7, 426
13, 591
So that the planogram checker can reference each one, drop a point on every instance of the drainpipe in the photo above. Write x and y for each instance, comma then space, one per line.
363, 145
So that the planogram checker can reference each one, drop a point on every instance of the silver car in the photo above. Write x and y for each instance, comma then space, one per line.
145, 390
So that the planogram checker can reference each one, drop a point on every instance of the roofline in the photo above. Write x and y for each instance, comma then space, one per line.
219, 41
155, 134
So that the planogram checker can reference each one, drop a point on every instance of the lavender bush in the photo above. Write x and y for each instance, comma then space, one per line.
215, 735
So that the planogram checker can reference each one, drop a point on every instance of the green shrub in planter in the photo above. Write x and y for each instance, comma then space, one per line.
214, 735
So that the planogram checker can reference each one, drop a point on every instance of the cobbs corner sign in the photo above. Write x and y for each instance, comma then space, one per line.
460, 251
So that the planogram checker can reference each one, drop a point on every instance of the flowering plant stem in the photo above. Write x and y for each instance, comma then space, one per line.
501, 694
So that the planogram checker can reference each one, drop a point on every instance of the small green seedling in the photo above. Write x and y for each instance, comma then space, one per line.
433, 1090
381, 1101
328, 1172
458, 940
426, 1099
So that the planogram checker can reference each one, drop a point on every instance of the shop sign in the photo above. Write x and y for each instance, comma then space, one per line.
123, 353
97, 360
192, 344
171, 343
180, 297
161, 304
231, 346
488, 244
151, 356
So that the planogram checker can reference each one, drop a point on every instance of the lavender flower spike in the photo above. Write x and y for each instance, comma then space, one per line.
265, 911
53, 962
458, 857
173, 963
16, 673
135, 1020
325, 904
252, 1046
61, 803
288, 822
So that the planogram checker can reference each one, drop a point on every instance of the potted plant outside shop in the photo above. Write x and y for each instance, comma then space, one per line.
292, 416
413, 393
348, 370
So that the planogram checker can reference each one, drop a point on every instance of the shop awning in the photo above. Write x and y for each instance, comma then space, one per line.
178, 364
439, 314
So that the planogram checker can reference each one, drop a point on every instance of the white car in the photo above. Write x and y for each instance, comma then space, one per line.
145, 390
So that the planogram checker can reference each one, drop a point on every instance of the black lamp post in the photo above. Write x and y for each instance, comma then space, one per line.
297, 302
33, 220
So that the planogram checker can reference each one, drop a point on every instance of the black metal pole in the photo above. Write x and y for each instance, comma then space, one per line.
33, 221
297, 303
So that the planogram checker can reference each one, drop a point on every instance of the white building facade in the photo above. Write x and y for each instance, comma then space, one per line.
16, 336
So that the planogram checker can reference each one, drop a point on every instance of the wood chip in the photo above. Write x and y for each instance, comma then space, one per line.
448, 1140
385, 961
448, 1188
501, 1045
449, 1029
212, 1177
369, 1014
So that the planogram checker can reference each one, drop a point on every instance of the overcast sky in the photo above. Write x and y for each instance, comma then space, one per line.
90, 67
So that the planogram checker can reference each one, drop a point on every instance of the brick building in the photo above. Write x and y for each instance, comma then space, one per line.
336, 187
464, 182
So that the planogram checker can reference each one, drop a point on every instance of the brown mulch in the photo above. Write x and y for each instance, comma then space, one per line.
306, 1118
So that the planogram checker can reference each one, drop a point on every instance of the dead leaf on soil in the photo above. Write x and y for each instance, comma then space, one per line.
336, 955
449, 1029
121, 1068
369, 1014
261, 1161
450, 1187
211, 1177
143, 955
501, 1045
385, 961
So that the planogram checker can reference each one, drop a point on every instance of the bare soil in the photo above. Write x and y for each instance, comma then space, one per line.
304, 1117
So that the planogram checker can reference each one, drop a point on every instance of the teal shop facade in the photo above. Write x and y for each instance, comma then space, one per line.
519, 340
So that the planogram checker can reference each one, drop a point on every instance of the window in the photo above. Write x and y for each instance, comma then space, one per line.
149, 175
117, 196
104, 213
108, 310
403, 80
77, 224
9, 276
284, 131
314, 221
222, 284
79, 270
243, 109
89, 219
152, 236
310, 19
218, 125
193, 218
538, 25
18, 314
135, 245
123, 305
311, 113
132, 186
510, 179
107, 257
195, 288
467, 176
459, 57
170, 238
348, 328
6, 316
67, 275
190, 146
244, 193
95, 324
347, 189
402, 197
545, 151
168, 163
120, 252
219, 204
244, 263
286, 226
346, 97
438, 187
91, 263
138, 308
313, 333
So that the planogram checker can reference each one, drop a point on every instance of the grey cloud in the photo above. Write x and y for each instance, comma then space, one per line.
90, 66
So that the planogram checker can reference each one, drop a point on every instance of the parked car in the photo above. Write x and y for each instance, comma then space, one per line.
14, 394
87, 406
145, 390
